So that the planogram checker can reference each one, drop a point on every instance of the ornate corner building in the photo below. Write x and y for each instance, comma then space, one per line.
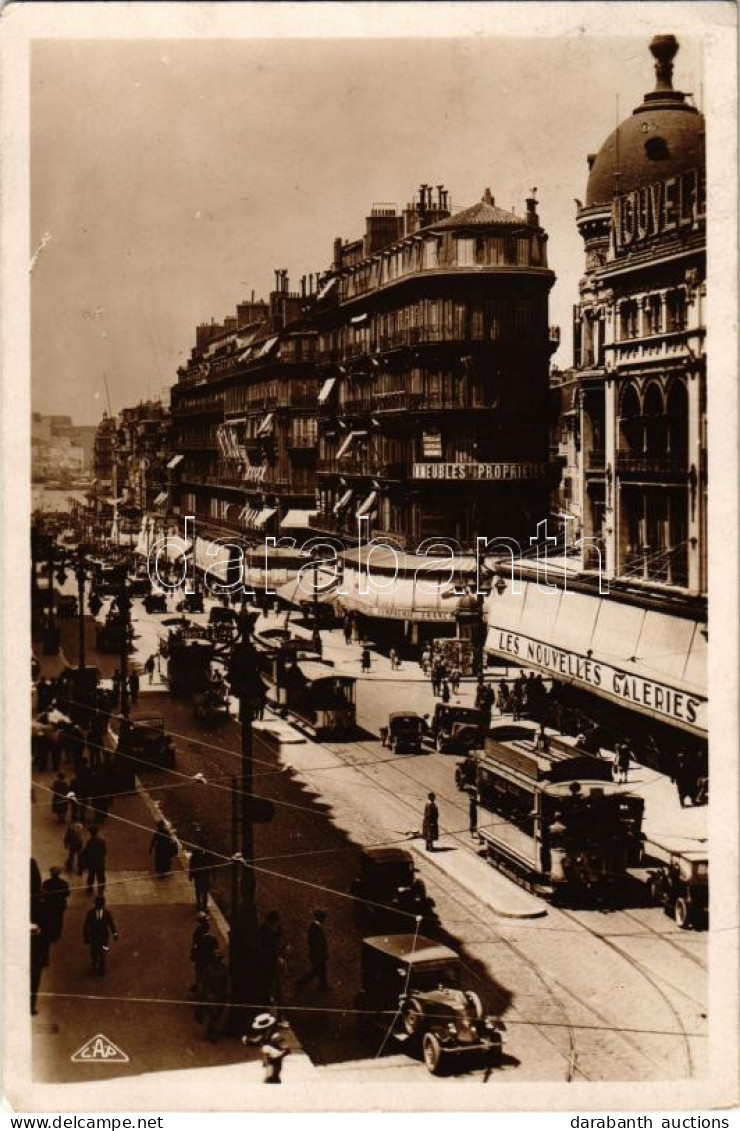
434, 348
639, 345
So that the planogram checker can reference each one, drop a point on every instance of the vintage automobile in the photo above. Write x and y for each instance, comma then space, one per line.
466, 772
421, 980
388, 886
404, 732
148, 744
139, 585
193, 603
156, 602
220, 614
682, 887
456, 730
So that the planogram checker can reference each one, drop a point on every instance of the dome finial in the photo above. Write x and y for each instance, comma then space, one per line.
663, 48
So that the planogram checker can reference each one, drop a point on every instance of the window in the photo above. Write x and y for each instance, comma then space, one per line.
465, 252
675, 311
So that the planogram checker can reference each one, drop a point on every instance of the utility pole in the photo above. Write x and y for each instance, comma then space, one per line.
246, 685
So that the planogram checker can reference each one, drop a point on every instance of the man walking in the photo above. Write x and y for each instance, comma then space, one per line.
473, 811
199, 870
133, 686
430, 824
55, 893
93, 858
318, 952
149, 669
96, 933
74, 840
59, 800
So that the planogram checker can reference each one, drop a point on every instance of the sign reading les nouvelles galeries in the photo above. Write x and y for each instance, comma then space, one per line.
659, 208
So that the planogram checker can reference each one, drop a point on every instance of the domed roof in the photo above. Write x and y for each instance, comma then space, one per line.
663, 137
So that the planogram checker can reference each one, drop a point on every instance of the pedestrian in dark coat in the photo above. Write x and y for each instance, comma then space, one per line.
473, 810
55, 893
430, 823
164, 847
347, 630
149, 669
97, 931
74, 841
270, 947
133, 686
93, 858
436, 676
445, 691
366, 659
202, 948
318, 953
215, 990
59, 799
199, 870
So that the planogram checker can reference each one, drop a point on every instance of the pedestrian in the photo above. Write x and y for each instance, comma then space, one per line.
317, 642
684, 777
455, 677
502, 701
55, 892
426, 660
347, 630
97, 931
116, 681
199, 870
366, 659
74, 840
133, 686
215, 995
164, 847
59, 800
270, 950
149, 669
473, 810
395, 662
93, 858
81, 786
445, 691
39, 959
430, 824
318, 953
273, 1048
436, 676
43, 694
202, 946
622, 755
517, 700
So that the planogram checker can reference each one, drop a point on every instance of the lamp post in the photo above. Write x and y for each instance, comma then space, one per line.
246, 685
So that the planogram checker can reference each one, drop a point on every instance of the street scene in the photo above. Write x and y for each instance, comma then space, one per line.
369, 705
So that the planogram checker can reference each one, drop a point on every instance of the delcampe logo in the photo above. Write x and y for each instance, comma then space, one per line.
101, 1049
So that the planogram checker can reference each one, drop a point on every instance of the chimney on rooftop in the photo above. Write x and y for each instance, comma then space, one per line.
532, 218
487, 198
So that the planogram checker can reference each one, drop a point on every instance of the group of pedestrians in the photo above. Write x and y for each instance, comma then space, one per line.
133, 682
444, 677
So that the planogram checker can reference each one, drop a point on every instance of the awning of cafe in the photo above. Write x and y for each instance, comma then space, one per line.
264, 516
343, 502
174, 462
297, 520
326, 389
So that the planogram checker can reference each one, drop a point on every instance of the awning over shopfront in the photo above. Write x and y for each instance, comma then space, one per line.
161, 498
265, 428
647, 661
343, 502
301, 588
326, 389
402, 586
266, 347
347, 443
264, 517
297, 520
365, 506
175, 462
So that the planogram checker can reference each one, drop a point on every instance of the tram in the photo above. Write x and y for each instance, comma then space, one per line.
320, 698
551, 818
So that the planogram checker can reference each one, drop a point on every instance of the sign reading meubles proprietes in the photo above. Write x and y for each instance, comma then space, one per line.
473, 471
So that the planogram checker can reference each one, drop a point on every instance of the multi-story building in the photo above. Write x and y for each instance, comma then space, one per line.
434, 348
639, 342
624, 620
142, 446
104, 452
244, 423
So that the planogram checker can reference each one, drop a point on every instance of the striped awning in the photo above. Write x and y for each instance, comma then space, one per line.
367, 504
297, 520
264, 516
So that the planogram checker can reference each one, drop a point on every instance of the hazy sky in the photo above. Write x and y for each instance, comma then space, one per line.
172, 178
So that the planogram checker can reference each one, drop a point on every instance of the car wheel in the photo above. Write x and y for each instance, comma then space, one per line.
682, 913
434, 1057
412, 1017
654, 889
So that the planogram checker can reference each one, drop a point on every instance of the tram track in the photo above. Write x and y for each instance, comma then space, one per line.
545, 978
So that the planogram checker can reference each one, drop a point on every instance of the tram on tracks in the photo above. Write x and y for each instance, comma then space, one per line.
307, 688
551, 818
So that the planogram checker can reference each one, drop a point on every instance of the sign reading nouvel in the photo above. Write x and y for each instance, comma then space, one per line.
628, 688
657, 208
471, 471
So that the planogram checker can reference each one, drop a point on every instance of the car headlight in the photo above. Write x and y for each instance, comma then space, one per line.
452, 1028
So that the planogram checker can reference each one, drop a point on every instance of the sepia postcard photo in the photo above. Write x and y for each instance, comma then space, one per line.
370, 546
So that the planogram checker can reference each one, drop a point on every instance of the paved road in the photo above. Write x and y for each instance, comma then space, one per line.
586, 995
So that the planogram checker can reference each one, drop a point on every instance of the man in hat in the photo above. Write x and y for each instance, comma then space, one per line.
430, 823
93, 857
55, 892
97, 930
202, 947
318, 952
268, 1031
39, 949
74, 840
59, 800
473, 810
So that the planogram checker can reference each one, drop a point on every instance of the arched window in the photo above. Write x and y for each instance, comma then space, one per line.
656, 430
630, 431
678, 423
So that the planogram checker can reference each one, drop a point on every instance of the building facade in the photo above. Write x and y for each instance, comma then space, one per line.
433, 351
639, 336
244, 420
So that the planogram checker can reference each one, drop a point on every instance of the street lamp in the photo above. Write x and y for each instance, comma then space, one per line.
246, 684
